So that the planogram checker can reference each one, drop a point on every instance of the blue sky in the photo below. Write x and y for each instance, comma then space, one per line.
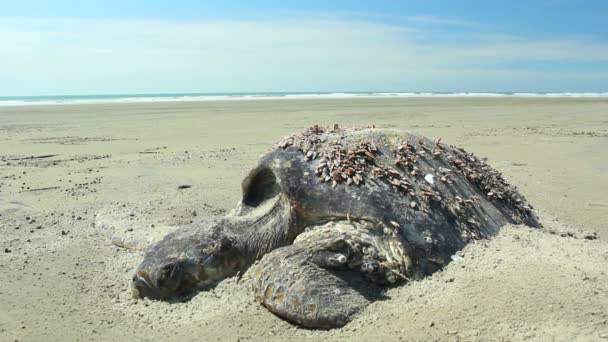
91, 47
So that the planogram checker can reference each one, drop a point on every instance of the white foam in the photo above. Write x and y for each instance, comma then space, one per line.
271, 96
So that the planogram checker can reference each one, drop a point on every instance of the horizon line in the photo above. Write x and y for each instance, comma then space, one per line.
336, 92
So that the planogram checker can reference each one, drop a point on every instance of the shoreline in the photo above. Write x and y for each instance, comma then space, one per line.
18, 101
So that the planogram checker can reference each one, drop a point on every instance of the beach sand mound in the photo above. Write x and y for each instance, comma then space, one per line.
525, 284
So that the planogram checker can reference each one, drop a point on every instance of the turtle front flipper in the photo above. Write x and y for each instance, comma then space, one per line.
329, 274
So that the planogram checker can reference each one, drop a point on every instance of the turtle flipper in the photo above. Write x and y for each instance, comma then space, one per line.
296, 289
323, 279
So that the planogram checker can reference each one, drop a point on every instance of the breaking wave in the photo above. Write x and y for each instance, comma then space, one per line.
144, 98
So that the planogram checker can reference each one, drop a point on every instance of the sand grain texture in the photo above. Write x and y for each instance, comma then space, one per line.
74, 178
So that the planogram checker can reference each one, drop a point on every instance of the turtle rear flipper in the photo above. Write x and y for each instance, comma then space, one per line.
327, 276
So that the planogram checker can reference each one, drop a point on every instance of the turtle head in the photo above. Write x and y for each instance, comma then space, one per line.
199, 255
175, 267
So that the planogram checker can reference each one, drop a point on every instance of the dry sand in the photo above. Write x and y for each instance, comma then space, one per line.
72, 178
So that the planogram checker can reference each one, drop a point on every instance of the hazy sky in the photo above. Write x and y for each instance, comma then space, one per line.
90, 47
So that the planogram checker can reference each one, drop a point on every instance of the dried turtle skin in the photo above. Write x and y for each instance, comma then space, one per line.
335, 215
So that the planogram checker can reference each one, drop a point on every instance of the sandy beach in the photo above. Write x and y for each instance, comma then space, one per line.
85, 188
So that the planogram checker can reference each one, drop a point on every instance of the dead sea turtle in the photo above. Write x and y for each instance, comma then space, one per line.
334, 215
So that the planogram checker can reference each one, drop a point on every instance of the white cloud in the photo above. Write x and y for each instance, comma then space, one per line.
92, 56
432, 20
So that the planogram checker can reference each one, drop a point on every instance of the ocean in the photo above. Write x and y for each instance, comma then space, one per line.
138, 98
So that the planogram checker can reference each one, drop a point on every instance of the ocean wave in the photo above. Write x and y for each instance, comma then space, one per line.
106, 99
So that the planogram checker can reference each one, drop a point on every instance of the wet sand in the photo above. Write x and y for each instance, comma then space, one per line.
73, 178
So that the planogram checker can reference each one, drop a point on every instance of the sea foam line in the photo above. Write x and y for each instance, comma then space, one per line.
33, 101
